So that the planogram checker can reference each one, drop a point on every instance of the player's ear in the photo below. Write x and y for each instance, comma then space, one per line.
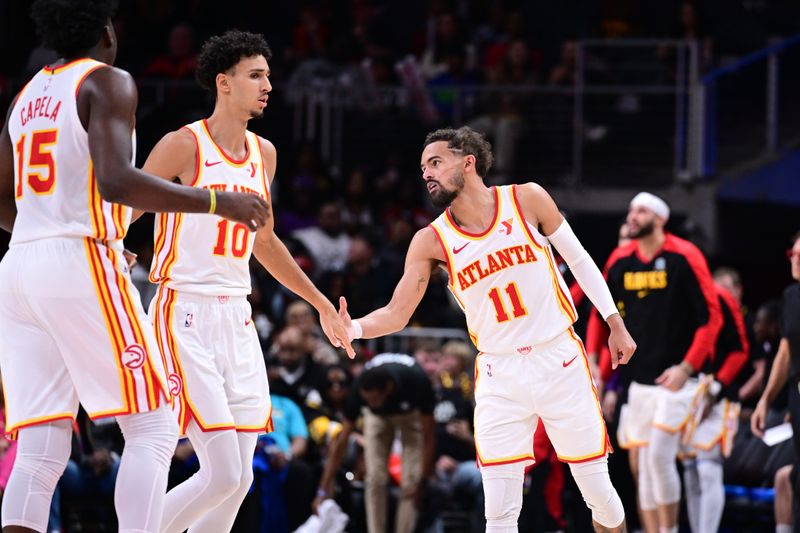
469, 161
223, 83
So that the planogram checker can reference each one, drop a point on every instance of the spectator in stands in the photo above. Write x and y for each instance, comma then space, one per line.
767, 330
456, 469
366, 282
327, 242
357, 211
393, 394
295, 375
300, 314
285, 481
180, 60
445, 39
786, 366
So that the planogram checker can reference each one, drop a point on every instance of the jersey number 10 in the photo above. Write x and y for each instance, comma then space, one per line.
238, 239
517, 308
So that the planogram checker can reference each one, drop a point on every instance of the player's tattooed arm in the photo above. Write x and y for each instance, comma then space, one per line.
424, 253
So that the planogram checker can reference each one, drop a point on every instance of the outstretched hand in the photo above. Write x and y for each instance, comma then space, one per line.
345, 317
335, 329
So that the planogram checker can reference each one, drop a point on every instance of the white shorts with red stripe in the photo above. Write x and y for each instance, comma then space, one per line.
551, 382
215, 366
72, 329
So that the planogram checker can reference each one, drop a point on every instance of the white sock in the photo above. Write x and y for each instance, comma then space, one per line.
783, 528
150, 440
673, 529
42, 454
217, 480
221, 518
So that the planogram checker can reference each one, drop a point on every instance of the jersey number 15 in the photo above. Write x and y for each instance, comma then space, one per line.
39, 156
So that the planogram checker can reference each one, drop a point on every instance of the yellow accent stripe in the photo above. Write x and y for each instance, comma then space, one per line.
604, 436
160, 238
485, 234
96, 206
138, 333
225, 157
39, 420
114, 332
167, 317
61, 68
447, 255
172, 257
158, 332
564, 303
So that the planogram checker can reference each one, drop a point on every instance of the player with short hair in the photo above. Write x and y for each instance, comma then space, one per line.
201, 263
497, 246
72, 328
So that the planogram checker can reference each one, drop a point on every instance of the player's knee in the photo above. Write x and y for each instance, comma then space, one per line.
783, 479
502, 487
156, 431
599, 494
224, 482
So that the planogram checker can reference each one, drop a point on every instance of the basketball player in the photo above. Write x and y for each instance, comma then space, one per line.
71, 325
202, 318
662, 285
495, 244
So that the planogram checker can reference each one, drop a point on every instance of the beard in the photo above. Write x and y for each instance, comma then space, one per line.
642, 231
257, 114
443, 197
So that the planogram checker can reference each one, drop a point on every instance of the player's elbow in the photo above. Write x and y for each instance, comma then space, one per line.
111, 185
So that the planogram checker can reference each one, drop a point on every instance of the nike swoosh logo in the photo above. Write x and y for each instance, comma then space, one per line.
456, 250
565, 364
248, 322
212, 164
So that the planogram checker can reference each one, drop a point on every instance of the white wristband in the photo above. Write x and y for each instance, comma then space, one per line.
358, 331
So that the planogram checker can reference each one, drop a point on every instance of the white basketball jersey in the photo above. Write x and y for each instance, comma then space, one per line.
55, 184
505, 280
207, 254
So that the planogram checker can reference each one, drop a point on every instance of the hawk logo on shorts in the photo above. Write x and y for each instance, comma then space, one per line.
175, 384
189, 320
525, 350
506, 229
134, 356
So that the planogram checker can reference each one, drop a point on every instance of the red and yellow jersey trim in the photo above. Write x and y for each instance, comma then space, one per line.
11, 431
264, 176
86, 75
564, 302
477, 236
448, 257
228, 159
198, 157
61, 68
605, 443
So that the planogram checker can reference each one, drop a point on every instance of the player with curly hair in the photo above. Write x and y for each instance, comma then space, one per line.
71, 326
201, 263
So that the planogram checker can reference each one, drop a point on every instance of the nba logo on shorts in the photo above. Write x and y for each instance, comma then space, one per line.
134, 356
175, 384
189, 320
489, 369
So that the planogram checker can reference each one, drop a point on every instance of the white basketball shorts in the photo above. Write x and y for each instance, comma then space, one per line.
552, 382
72, 328
719, 428
215, 367
652, 406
